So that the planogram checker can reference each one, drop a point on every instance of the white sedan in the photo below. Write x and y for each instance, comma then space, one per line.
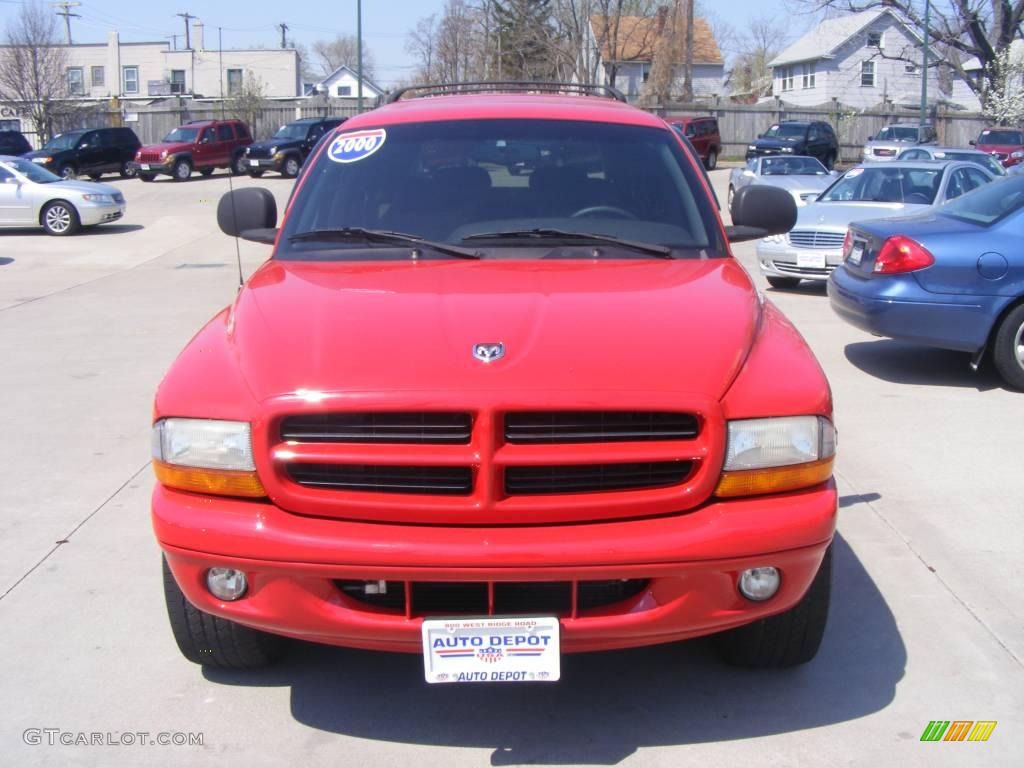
31, 196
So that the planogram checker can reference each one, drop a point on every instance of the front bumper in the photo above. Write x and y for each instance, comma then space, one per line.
264, 163
100, 213
691, 561
160, 166
898, 307
786, 261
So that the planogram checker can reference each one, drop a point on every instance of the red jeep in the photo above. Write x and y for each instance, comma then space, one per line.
703, 134
201, 145
493, 417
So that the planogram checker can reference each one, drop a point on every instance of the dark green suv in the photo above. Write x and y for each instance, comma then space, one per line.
814, 138
287, 150
88, 153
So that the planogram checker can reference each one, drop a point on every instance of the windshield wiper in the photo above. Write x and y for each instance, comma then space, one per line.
577, 237
361, 234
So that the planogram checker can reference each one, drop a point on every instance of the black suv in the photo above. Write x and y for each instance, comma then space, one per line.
13, 143
798, 137
287, 150
89, 153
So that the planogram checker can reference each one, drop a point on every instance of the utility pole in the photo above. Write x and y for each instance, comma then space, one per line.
174, 39
359, 51
284, 28
924, 67
187, 17
688, 73
68, 15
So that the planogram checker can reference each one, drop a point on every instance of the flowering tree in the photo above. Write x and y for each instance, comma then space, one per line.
1004, 100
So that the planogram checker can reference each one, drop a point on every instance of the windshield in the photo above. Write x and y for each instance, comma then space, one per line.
31, 171
185, 135
786, 131
792, 166
897, 133
988, 204
292, 131
916, 186
447, 181
1001, 137
64, 141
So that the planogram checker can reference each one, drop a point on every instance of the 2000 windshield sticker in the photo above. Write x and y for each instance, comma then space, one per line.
353, 147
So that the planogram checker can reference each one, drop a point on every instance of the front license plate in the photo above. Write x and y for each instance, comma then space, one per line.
512, 649
857, 253
810, 260
144, 166
254, 163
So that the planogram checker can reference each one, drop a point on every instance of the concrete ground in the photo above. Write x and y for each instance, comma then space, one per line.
926, 623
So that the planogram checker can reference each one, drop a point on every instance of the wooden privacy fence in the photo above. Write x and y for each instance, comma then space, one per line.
739, 124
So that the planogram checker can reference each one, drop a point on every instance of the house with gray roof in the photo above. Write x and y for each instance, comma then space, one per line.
861, 60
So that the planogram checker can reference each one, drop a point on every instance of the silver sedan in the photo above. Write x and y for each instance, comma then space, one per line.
31, 196
814, 247
803, 177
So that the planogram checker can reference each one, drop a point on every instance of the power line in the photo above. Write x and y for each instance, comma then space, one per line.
68, 15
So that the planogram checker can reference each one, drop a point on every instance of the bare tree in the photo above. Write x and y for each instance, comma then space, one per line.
328, 55
763, 40
33, 71
248, 102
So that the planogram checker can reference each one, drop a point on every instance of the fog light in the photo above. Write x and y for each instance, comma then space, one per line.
759, 584
226, 583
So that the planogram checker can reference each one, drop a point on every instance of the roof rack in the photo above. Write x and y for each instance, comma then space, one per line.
505, 86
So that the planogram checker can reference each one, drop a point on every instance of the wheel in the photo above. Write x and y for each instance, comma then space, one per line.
127, 170
212, 641
205, 171
1008, 348
67, 172
786, 639
785, 283
256, 174
146, 176
238, 166
60, 218
830, 161
712, 162
291, 166
182, 170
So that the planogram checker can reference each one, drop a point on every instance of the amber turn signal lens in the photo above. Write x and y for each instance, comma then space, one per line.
219, 482
755, 482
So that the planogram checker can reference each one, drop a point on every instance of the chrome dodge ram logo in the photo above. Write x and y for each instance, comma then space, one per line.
488, 353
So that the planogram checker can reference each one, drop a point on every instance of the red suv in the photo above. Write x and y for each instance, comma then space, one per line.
201, 145
703, 134
492, 418
1005, 144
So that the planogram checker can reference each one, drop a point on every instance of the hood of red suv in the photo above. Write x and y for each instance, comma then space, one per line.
170, 147
654, 325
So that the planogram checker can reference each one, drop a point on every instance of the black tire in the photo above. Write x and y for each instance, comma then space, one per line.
786, 639
182, 170
290, 167
205, 171
256, 174
127, 170
212, 641
67, 172
1008, 348
60, 218
712, 162
146, 176
830, 161
238, 166
783, 283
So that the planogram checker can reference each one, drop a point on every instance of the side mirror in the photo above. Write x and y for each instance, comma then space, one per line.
759, 211
973, 143
249, 213
871, 138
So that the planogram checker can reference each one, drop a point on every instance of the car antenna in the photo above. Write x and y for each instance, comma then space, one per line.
231, 169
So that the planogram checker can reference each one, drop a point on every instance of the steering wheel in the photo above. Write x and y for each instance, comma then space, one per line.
592, 209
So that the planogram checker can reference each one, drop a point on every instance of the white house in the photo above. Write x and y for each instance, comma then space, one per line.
343, 83
861, 60
630, 46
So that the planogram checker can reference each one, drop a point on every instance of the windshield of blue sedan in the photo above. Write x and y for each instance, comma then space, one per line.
988, 204
886, 185
63, 141
786, 131
792, 166
452, 182
31, 171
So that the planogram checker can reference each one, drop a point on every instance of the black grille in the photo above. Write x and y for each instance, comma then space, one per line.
402, 427
594, 477
446, 481
445, 598
598, 426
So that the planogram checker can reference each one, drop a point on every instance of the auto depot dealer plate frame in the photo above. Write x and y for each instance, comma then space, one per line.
495, 649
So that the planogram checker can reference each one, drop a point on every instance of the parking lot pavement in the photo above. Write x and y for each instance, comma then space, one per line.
925, 625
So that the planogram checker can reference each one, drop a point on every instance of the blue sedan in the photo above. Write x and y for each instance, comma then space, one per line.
952, 277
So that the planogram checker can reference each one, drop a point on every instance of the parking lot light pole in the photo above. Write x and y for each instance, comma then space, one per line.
924, 66
359, 52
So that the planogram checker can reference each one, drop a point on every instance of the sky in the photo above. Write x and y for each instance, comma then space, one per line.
386, 23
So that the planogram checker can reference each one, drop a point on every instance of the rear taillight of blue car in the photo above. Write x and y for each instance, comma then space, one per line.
899, 255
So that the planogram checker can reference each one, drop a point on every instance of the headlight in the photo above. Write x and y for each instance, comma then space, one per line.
163, 154
777, 454
774, 239
752, 147
43, 160
787, 149
99, 198
273, 150
1017, 155
206, 456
